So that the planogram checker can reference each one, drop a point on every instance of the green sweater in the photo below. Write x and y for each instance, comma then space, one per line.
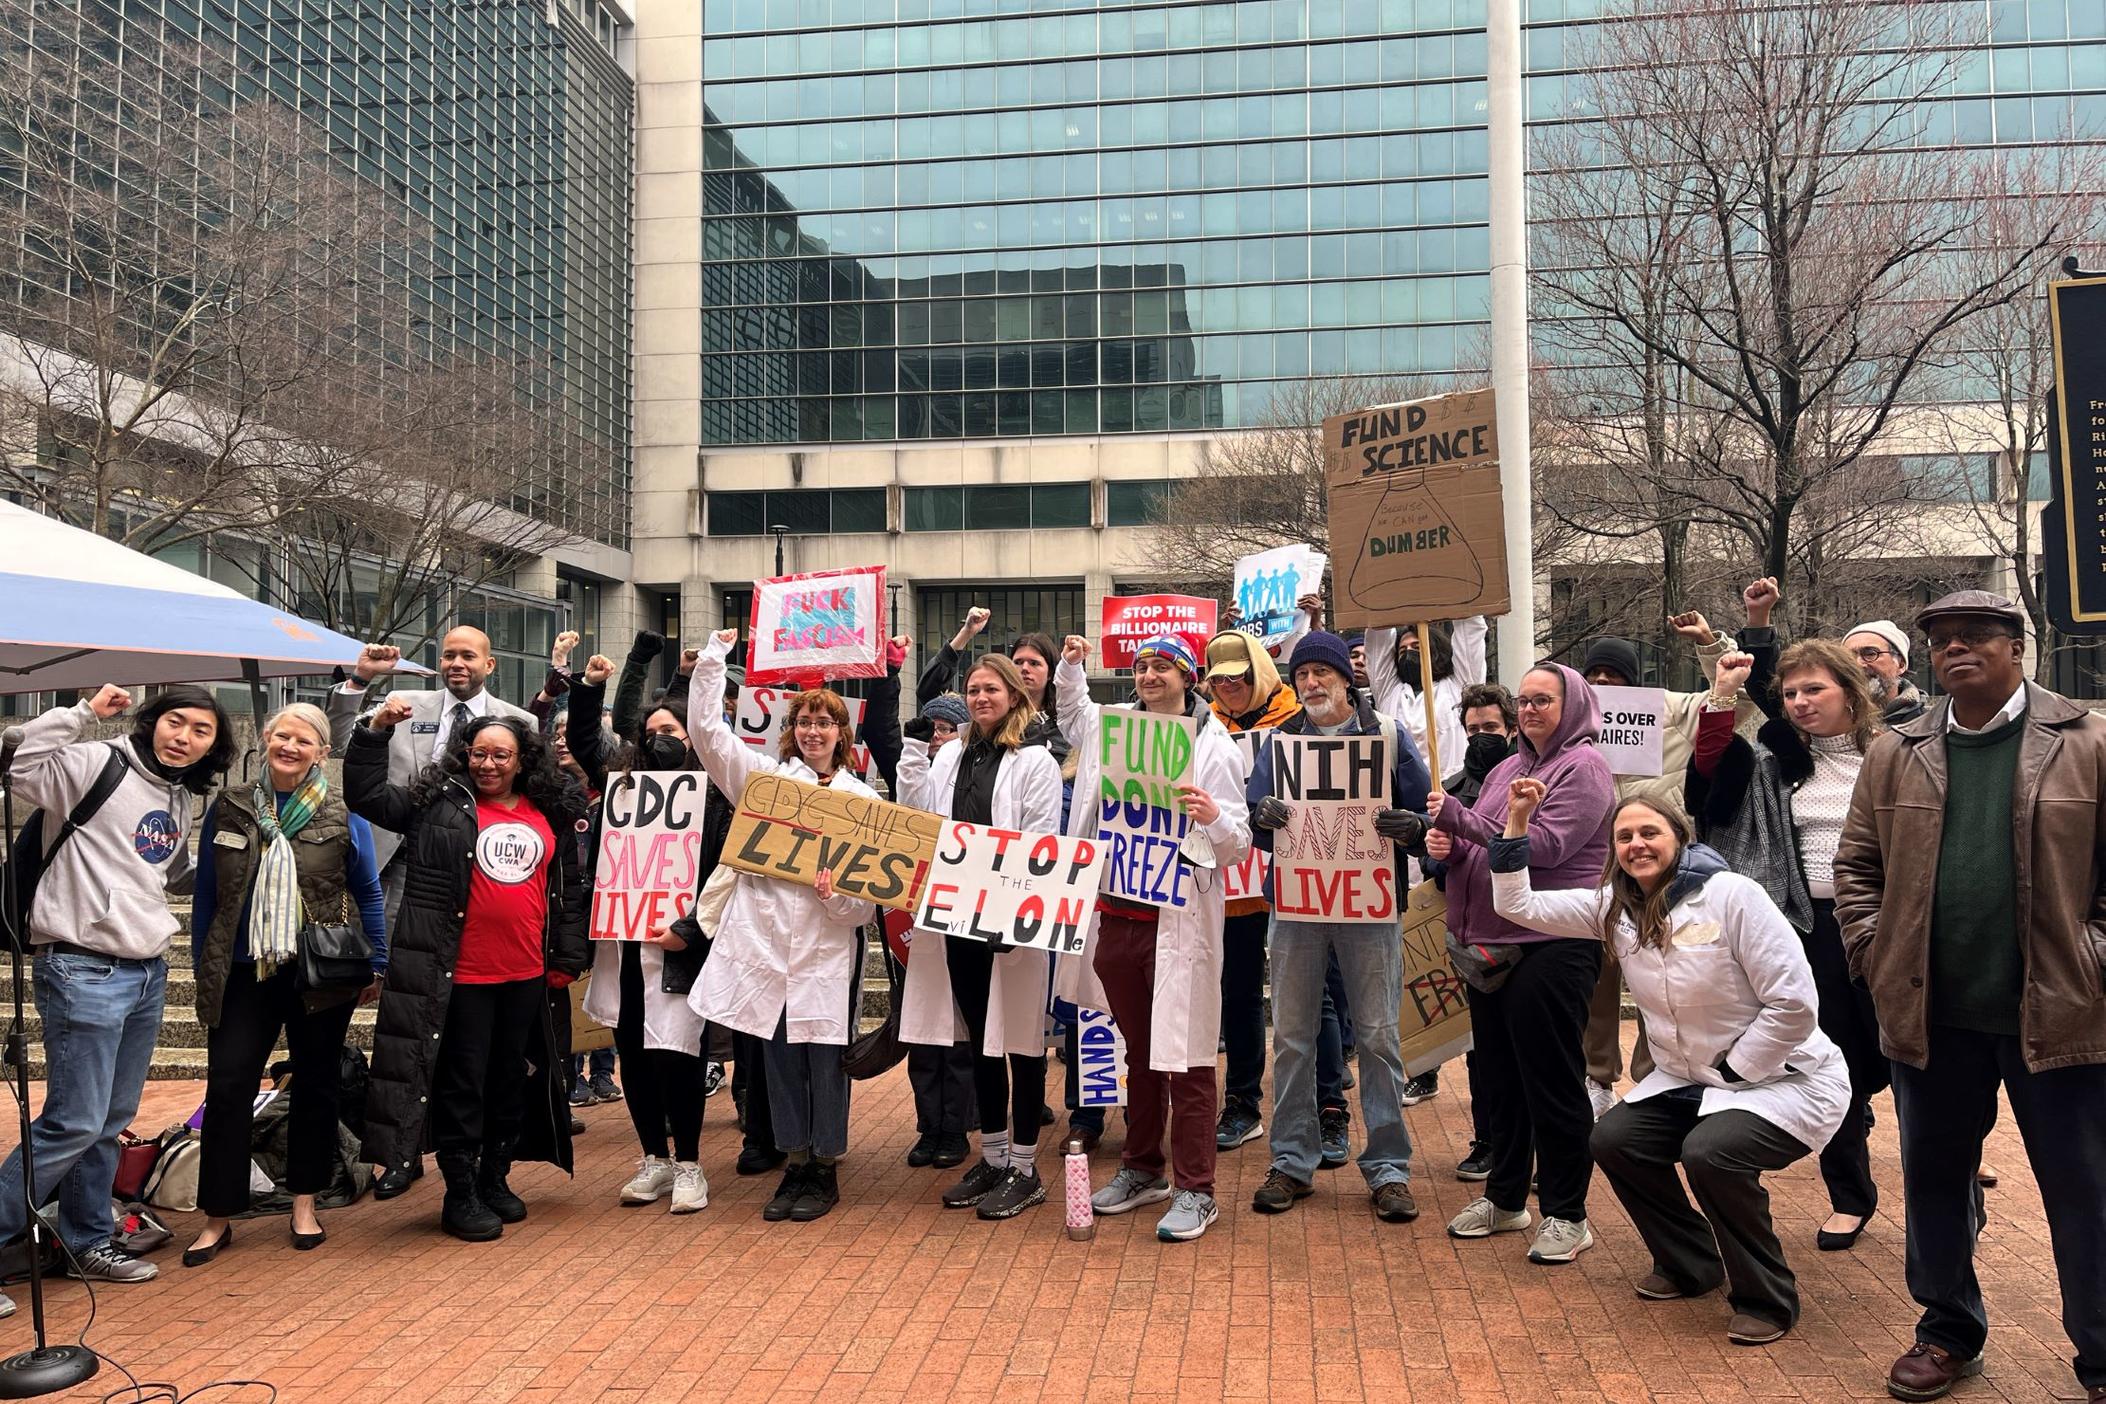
1977, 972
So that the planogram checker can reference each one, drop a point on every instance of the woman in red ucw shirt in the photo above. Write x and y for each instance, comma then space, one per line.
493, 915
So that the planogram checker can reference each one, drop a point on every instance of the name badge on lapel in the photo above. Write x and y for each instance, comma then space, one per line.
430, 728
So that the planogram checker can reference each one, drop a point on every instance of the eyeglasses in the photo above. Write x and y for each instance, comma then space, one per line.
1541, 703
1873, 655
811, 723
481, 757
1973, 635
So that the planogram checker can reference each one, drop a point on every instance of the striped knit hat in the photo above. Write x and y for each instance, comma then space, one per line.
1172, 647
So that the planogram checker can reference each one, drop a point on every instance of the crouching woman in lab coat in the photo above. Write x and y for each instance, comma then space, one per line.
786, 961
1744, 1080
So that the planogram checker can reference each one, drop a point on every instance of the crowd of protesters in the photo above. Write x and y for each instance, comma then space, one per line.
1835, 885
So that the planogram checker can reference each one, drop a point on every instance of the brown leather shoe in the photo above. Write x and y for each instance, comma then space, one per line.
1748, 1330
1394, 1204
1657, 1286
1928, 1372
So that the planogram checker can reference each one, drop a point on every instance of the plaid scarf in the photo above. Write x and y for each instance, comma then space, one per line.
275, 914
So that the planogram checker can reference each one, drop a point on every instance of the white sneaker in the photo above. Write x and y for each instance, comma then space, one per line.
654, 1176
1560, 1241
690, 1189
1481, 1219
1601, 1097
1128, 1191
7, 1306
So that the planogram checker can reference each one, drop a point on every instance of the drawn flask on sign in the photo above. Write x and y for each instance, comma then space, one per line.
1412, 552
1082, 1218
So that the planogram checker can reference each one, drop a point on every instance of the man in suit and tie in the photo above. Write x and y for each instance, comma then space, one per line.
465, 665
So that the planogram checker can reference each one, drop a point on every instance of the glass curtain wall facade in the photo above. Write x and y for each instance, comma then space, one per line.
504, 127
944, 219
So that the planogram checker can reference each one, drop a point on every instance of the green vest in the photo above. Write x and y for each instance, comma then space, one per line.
321, 851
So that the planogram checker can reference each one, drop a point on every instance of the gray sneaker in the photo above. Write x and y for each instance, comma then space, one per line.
106, 1262
1481, 1219
1560, 1241
1190, 1215
1128, 1191
7, 1306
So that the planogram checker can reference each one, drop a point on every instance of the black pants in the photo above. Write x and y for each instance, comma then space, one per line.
479, 1083
250, 1017
1946, 1110
1480, 1110
662, 1088
1847, 1017
946, 1097
1011, 1092
1531, 1073
749, 1080
1637, 1146
1243, 1007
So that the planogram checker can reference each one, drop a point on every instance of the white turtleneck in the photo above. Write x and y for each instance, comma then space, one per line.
1821, 804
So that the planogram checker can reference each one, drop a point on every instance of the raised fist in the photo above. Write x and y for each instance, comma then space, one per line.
109, 700
376, 660
390, 713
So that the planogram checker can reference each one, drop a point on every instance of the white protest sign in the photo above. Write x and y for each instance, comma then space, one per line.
649, 863
823, 623
761, 712
1329, 864
1268, 584
1247, 878
1632, 722
1101, 1052
1141, 759
1022, 889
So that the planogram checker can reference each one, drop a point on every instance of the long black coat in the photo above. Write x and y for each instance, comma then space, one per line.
438, 843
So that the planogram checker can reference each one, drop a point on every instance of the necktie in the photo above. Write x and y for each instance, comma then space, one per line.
460, 719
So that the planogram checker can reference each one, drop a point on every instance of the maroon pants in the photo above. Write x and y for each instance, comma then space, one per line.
1186, 1101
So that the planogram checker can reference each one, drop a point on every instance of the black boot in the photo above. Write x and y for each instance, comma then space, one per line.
759, 1160
820, 1192
786, 1194
490, 1185
464, 1215
395, 1180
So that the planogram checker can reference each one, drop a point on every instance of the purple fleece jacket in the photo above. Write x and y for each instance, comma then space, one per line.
1568, 838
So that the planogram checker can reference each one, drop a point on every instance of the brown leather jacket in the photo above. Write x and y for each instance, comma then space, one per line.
1886, 872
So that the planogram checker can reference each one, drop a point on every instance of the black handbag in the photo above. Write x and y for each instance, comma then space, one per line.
335, 957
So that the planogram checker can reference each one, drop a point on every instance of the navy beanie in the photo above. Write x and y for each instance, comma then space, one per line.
1327, 649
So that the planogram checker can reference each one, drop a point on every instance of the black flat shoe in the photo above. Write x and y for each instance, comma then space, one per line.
308, 1242
1838, 1242
198, 1257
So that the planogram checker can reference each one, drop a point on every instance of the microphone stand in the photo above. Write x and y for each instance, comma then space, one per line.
48, 1368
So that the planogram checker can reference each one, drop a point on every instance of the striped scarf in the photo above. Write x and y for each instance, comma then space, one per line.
274, 898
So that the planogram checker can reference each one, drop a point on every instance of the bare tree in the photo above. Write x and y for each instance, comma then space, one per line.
1757, 219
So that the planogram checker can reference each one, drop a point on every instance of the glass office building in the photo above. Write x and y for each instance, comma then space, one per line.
504, 127
946, 219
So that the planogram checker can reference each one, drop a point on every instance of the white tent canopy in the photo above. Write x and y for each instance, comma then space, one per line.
77, 611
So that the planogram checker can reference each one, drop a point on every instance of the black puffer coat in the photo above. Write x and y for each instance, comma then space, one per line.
438, 843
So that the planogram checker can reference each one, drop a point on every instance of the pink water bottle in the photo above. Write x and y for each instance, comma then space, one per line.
1082, 1219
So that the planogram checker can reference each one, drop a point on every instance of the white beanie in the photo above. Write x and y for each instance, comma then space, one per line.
1891, 632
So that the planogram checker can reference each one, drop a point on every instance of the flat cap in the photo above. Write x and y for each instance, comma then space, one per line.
1979, 604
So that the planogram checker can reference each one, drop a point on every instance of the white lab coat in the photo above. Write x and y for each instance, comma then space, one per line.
1027, 797
1398, 697
779, 951
1185, 1015
1731, 984
669, 1022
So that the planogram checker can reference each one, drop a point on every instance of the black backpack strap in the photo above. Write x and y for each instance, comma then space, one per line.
113, 772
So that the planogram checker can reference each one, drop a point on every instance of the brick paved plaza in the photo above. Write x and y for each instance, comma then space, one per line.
891, 1298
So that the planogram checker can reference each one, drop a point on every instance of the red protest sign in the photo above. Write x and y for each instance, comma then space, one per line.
1131, 620
819, 624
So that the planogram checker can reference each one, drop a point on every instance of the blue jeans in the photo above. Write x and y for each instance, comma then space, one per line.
602, 1064
101, 1016
1372, 963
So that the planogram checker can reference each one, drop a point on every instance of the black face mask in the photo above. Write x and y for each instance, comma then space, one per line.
662, 750
1484, 752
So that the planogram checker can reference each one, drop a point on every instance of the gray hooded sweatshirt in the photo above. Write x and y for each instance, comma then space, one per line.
107, 889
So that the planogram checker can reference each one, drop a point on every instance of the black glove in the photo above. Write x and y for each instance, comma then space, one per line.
1401, 826
647, 645
922, 729
1271, 813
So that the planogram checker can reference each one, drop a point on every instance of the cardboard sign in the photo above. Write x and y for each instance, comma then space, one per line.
787, 829
1101, 1052
1132, 620
821, 624
1023, 889
650, 856
1415, 514
1141, 759
1633, 724
587, 1034
1434, 1023
1247, 878
1268, 584
1329, 864
762, 711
